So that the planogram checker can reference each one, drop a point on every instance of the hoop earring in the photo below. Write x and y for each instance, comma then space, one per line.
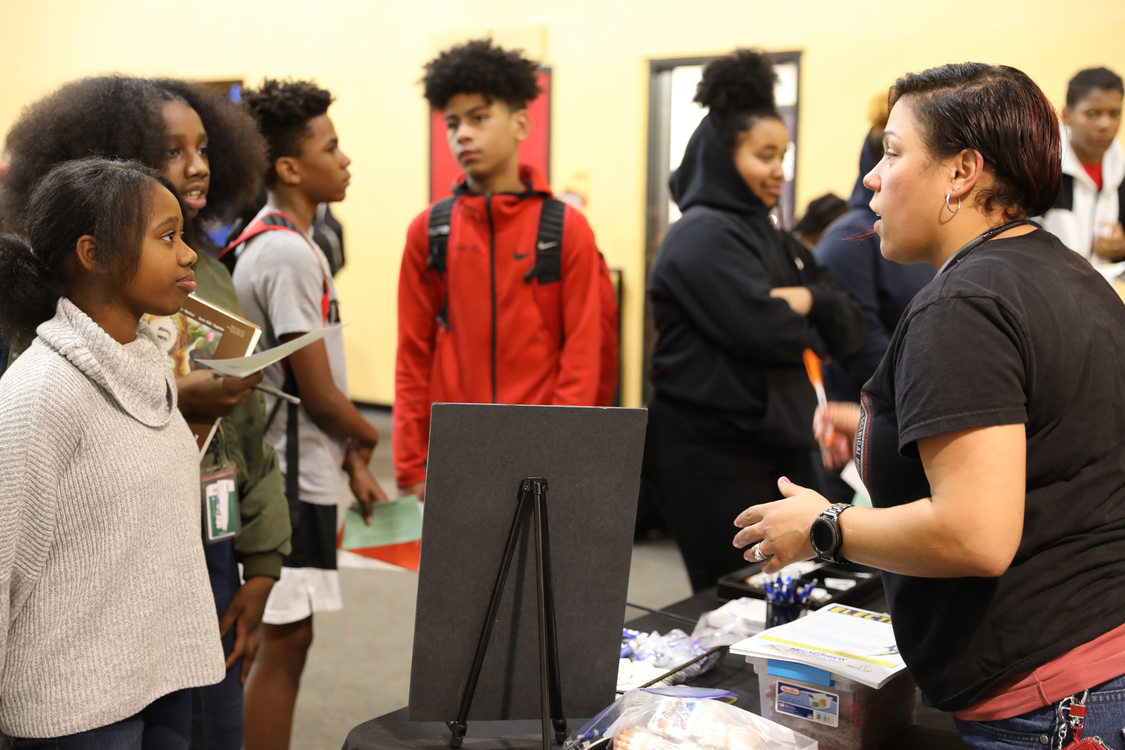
950, 208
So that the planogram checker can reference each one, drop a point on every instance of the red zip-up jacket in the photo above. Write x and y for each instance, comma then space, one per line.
497, 347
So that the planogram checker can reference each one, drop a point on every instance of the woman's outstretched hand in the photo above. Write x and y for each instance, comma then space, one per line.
780, 530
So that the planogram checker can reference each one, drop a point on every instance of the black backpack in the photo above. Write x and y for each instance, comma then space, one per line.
547, 269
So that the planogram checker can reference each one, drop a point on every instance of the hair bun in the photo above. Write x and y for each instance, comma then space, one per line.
739, 82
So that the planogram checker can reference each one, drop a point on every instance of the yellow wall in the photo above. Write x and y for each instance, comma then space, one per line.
369, 53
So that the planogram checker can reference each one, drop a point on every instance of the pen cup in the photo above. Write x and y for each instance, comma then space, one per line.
779, 613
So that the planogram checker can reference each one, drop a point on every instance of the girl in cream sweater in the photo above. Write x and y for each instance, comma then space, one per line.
105, 609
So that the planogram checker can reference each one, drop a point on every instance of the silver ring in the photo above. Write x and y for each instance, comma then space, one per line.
758, 555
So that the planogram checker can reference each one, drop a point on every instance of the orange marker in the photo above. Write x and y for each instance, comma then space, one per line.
812, 367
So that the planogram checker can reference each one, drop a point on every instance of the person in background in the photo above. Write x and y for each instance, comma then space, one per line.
5, 349
1088, 214
106, 617
478, 330
991, 436
213, 155
819, 214
882, 288
735, 303
286, 286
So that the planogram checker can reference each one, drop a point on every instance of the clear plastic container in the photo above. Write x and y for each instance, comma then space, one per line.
840, 714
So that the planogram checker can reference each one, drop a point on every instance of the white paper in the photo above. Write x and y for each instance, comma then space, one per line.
850, 475
240, 367
849, 642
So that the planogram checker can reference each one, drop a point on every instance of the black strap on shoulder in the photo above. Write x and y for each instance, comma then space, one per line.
1065, 201
280, 220
440, 215
1121, 203
292, 446
548, 243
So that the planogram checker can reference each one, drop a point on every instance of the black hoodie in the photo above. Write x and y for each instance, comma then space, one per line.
723, 343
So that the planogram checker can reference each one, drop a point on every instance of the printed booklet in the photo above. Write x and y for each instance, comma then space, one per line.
202, 330
850, 642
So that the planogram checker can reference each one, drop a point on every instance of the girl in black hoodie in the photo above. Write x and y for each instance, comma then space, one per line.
735, 303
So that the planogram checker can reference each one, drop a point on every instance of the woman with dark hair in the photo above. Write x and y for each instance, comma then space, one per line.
106, 617
735, 303
211, 152
992, 435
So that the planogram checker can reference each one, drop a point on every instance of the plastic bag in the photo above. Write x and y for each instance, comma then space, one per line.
730, 623
652, 655
682, 718
647, 656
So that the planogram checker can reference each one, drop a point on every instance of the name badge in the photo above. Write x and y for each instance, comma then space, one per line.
219, 491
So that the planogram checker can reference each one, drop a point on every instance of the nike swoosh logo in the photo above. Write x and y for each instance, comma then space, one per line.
521, 256
546, 245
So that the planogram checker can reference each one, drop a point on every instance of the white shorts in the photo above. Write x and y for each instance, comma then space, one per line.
300, 592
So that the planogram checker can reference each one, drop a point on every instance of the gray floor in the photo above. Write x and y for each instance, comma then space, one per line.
359, 666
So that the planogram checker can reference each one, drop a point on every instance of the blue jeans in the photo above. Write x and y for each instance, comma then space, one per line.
165, 724
1105, 718
217, 709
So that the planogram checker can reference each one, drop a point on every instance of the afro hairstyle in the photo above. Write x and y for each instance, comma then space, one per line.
121, 117
282, 110
737, 89
236, 150
481, 67
112, 116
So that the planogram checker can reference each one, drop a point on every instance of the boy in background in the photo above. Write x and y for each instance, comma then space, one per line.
287, 287
1090, 208
475, 331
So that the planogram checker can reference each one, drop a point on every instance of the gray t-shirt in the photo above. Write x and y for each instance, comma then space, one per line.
282, 282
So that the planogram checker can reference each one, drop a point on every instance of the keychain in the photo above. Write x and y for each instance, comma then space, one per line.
1072, 713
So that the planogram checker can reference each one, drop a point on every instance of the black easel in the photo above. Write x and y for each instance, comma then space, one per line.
532, 497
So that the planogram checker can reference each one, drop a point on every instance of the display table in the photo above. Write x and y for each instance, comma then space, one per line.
933, 729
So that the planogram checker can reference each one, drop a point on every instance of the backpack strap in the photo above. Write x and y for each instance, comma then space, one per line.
1121, 203
441, 214
1065, 201
548, 243
292, 446
272, 220
329, 310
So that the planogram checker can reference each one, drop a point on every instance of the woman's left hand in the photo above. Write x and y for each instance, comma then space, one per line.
781, 528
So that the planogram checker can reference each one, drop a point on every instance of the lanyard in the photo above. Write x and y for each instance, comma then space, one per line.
977, 241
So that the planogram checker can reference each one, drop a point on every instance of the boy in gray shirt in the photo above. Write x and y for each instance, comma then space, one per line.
286, 287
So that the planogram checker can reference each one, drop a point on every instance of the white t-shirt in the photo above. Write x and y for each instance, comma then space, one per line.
282, 280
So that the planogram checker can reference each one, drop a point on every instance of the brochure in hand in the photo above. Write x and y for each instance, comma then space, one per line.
847, 641
202, 329
248, 365
394, 536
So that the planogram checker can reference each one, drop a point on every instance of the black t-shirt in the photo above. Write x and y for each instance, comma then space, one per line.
1019, 331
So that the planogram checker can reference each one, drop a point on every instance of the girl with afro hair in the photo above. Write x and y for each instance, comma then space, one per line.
211, 152
735, 303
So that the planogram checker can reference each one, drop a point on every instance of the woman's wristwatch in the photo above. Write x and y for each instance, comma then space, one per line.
825, 533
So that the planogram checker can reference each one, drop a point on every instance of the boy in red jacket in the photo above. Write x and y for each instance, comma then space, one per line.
476, 331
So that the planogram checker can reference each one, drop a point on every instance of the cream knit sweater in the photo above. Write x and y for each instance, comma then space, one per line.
105, 603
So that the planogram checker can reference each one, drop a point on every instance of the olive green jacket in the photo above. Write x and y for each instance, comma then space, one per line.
263, 540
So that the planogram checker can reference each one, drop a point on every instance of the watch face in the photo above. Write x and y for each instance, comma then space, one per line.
822, 536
